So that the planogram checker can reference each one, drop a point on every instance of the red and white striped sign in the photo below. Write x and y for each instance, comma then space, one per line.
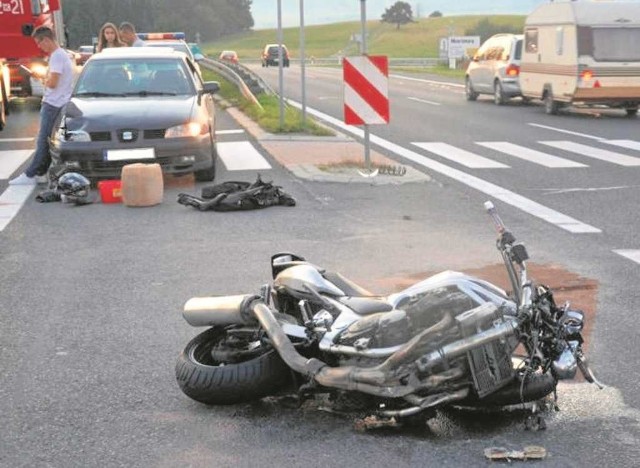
366, 90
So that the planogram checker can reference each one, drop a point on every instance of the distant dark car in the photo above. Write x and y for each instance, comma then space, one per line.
84, 52
270, 55
138, 104
229, 56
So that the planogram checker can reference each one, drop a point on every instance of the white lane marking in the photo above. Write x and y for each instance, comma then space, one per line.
241, 156
15, 140
589, 189
511, 198
229, 132
560, 130
12, 160
460, 156
596, 153
422, 80
424, 101
634, 145
11, 201
530, 155
630, 254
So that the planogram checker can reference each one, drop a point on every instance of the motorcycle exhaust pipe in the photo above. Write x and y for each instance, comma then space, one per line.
367, 380
224, 310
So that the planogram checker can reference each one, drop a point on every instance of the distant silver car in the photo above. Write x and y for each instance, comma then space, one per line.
495, 69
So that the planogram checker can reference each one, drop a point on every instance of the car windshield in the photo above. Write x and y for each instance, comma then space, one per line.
134, 77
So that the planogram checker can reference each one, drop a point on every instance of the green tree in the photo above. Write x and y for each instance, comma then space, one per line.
435, 14
211, 18
399, 13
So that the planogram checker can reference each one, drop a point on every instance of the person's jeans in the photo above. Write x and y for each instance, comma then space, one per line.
42, 159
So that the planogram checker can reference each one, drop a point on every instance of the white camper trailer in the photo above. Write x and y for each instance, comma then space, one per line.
583, 52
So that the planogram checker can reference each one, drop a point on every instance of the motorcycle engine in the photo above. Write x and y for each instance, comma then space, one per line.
381, 330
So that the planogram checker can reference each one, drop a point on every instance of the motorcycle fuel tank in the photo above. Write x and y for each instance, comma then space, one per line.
299, 278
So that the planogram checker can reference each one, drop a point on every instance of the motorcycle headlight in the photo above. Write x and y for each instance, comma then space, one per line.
191, 129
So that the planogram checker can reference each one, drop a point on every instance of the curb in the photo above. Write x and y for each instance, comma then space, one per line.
324, 159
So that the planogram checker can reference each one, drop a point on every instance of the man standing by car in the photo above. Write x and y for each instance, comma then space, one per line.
128, 35
58, 85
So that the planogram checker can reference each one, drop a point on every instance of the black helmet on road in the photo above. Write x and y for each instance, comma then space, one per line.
74, 188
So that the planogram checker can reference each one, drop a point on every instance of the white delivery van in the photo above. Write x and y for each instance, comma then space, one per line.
583, 53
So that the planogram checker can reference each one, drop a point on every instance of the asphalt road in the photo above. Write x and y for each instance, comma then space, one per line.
91, 296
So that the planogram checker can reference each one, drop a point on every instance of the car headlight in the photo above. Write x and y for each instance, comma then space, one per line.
71, 135
38, 69
191, 129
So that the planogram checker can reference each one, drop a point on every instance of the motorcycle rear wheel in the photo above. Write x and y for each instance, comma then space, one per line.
208, 381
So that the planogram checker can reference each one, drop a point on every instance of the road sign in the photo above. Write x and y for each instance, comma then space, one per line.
366, 90
457, 46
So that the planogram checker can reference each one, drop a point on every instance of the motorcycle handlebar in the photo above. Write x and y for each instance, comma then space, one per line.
495, 217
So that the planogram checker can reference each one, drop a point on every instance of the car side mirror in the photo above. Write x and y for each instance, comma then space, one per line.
211, 87
198, 57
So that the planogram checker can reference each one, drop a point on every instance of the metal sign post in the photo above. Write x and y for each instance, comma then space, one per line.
302, 69
363, 51
280, 74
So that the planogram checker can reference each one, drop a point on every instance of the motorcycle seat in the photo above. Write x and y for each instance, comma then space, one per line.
366, 305
346, 285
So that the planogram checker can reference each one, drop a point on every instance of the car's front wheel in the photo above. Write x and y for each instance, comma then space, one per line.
207, 175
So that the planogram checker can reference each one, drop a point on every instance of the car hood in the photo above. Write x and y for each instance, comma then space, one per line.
101, 114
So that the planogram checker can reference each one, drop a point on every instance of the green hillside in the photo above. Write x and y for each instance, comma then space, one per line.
419, 39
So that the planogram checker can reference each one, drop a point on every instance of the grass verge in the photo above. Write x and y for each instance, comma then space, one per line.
269, 116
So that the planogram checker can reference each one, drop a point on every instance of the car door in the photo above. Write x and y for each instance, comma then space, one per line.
482, 76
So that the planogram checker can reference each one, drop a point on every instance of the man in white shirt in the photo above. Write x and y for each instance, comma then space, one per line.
128, 35
58, 86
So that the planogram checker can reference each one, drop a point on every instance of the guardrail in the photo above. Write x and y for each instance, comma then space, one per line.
247, 82
250, 83
426, 62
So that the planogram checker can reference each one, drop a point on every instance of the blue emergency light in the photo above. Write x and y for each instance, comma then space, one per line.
162, 35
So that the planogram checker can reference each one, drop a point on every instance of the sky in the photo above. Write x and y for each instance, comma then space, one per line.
265, 12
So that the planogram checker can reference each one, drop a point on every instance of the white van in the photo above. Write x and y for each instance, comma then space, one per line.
583, 53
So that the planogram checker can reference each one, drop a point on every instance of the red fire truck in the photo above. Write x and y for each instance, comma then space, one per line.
18, 19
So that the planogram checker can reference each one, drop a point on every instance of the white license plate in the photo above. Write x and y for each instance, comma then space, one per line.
130, 154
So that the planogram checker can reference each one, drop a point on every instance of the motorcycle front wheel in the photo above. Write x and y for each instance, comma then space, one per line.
213, 381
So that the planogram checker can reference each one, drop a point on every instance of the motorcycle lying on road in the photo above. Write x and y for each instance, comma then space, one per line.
451, 339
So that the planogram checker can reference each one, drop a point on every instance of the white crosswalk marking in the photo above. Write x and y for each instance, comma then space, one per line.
241, 156
12, 160
634, 145
530, 155
596, 153
11, 201
460, 156
630, 254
